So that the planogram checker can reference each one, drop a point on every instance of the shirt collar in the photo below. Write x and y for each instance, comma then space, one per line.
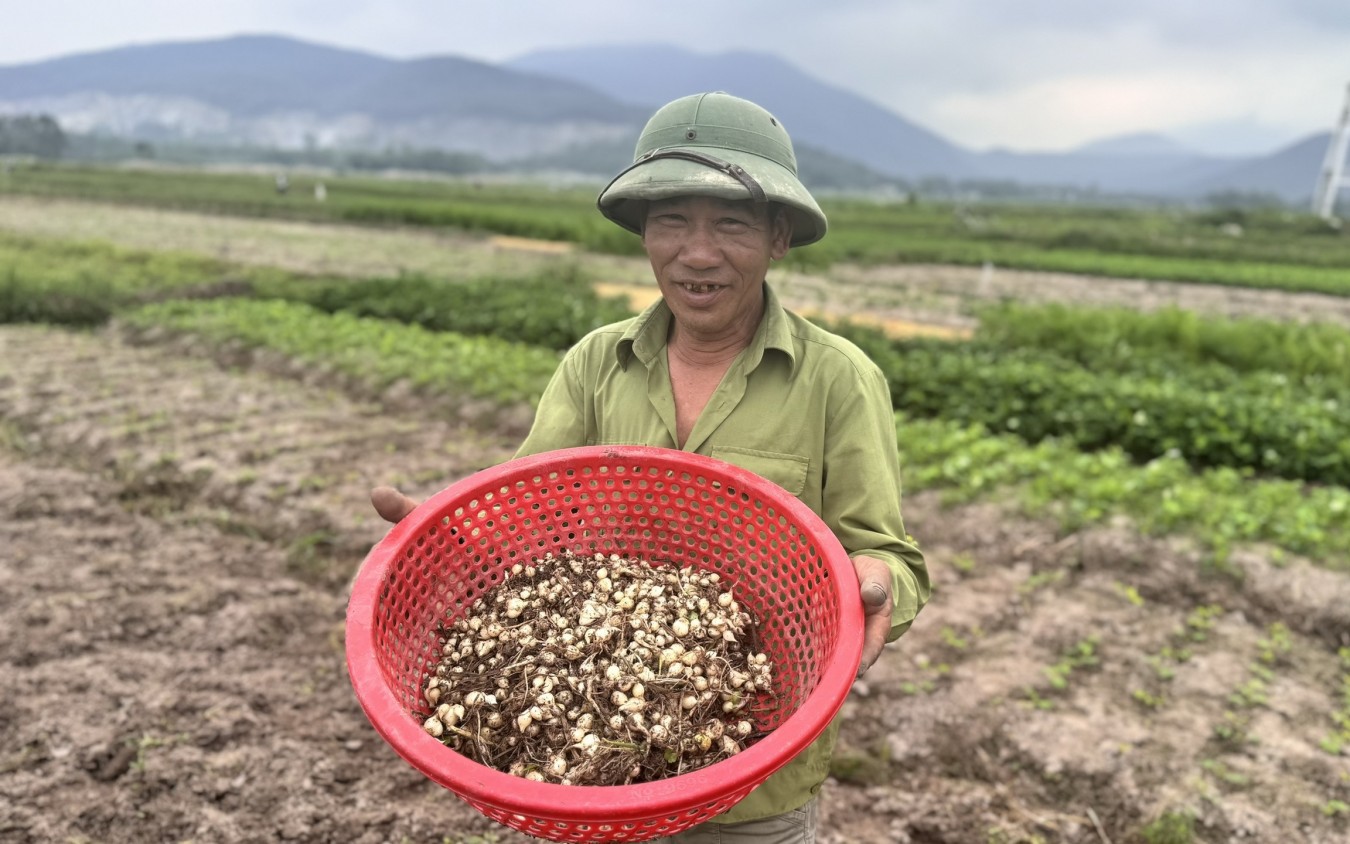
646, 337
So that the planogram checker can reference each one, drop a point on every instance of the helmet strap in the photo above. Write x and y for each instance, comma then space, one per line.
735, 171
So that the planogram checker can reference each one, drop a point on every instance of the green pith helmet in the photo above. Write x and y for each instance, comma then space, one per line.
713, 145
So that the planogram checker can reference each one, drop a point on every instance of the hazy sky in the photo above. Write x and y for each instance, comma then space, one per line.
1225, 76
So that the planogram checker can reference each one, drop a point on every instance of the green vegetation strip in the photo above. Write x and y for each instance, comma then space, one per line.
503, 208
1219, 507
1150, 404
1253, 248
1292, 277
1150, 242
1246, 423
552, 310
378, 352
84, 283
1336, 741
1125, 340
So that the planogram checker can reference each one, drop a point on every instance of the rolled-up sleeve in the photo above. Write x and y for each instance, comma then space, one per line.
861, 491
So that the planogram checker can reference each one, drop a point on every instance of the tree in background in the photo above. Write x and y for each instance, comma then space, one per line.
29, 135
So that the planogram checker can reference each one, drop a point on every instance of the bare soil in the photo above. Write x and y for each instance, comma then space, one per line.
178, 530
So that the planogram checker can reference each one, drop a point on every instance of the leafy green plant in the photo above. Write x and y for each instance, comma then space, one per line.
963, 562
955, 640
1130, 593
1125, 340
1148, 699
1083, 654
1225, 774
1170, 828
553, 310
1039, 580
1232, 730
1219, 507
1036, 700
83, 284
1200, 621
1277, 644
1335, 741
1255, 424
378, 352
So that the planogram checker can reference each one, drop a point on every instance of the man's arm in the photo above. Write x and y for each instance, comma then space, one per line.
861, 504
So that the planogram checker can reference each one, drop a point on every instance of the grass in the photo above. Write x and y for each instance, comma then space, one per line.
1172, 827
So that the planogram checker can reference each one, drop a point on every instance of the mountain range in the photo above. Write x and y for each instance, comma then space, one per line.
578, 110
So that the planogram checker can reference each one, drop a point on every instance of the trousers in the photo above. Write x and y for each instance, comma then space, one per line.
795, 827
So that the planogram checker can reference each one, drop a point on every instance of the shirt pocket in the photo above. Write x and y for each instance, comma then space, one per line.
787, 470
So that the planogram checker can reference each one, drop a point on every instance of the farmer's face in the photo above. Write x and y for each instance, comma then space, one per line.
710, 257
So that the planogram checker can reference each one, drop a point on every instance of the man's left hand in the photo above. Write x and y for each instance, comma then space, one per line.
874, 582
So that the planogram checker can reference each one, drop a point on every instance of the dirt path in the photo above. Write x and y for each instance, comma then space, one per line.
177, 538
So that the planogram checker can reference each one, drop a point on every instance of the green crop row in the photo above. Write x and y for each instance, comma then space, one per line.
377, 352
872, 231
1220, 507
524, 220
902, 247
1334, 281
525, 211
554, 310
1125, 340
1210, 416
1247, 425
84, 283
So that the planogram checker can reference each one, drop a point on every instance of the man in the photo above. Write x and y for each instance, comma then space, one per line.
718, 367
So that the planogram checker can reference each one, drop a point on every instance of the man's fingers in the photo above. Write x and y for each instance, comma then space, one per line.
875, 629
873, 588
391, 504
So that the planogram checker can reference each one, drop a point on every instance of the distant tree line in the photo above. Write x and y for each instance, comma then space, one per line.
25, 134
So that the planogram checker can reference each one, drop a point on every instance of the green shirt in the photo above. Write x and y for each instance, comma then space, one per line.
800, 406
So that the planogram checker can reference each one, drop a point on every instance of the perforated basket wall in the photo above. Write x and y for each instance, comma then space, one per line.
785, 565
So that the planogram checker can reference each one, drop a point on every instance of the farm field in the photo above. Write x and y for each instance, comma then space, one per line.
180, 516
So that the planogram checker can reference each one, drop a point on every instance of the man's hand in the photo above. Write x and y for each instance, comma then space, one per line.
391, 504
874, 582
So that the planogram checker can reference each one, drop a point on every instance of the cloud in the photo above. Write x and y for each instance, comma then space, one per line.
1047, 74
1031, 74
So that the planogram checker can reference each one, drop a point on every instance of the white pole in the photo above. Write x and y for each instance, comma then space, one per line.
1332, 177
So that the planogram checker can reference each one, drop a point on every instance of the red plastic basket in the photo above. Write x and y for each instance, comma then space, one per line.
785, 565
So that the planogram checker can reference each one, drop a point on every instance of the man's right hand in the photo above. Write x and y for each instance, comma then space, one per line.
391, 504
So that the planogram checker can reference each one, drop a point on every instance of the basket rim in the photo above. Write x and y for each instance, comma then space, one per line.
595, 805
